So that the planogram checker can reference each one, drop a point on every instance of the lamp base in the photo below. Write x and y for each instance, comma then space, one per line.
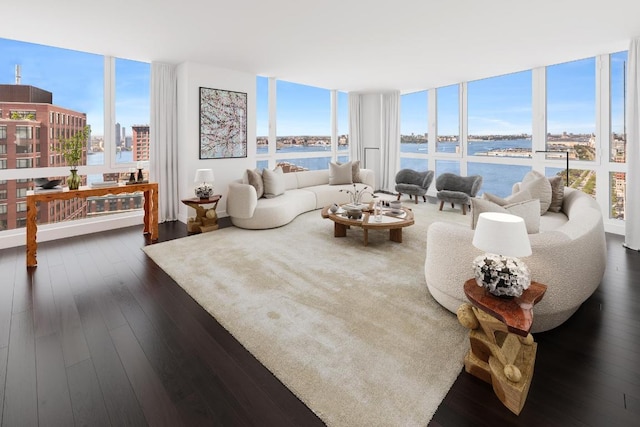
204, 191
501, 276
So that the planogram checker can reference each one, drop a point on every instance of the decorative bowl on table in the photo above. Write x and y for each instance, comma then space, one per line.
396, 205
46, 183
354, 213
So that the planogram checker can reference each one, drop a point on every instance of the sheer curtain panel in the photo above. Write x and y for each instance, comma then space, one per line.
390, 139
632, 207
164, 137
355, 127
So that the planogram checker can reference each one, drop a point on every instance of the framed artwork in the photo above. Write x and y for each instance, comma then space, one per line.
223, 124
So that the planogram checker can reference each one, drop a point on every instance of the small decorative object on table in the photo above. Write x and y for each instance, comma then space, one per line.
354, 213
334, 208
356, 195
72, 149
204, 178
502, 275
140, 166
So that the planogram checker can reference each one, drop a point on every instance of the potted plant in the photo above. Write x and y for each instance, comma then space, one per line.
71, 148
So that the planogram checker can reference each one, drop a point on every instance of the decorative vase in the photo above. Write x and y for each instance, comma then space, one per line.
505, 277
73, 182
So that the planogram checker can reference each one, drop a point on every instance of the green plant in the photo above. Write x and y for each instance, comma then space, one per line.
71, 148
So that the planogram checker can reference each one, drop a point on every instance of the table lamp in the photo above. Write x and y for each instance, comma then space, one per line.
204, 178
504, 237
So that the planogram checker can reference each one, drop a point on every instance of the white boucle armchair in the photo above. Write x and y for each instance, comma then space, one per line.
569, 256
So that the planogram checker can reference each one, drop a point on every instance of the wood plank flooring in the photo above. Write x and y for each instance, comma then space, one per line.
98, 335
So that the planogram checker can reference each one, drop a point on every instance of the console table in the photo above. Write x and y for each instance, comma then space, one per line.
503, 351
150, 208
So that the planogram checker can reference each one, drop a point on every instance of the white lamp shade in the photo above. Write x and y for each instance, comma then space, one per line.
204, 175
502, 234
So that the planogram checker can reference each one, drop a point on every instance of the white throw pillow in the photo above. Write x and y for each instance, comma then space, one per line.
539, 187
520, 196
528, 210
355, 171
273, 181
340, 174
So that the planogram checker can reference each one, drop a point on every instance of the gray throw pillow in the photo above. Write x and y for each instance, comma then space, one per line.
255, 179
274, 184
557, 193
340, 174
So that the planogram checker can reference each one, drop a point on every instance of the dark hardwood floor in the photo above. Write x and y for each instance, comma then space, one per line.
97, 334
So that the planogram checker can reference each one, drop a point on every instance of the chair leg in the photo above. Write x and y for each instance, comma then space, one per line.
399, 195
441, 204
424, 198
416, 198
464, 209
452, 206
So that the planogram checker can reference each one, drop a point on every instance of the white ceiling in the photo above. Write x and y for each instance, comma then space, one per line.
351, 45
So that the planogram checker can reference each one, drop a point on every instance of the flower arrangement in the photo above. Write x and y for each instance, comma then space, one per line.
501, 276
356, 195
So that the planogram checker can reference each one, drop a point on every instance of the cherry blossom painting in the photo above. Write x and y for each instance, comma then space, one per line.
223, 124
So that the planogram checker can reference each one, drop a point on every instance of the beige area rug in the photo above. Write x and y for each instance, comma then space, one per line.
351, 330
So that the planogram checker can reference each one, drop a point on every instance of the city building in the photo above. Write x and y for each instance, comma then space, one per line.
30, 125
140, 142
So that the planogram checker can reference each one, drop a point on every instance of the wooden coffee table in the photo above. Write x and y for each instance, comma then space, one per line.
391, 222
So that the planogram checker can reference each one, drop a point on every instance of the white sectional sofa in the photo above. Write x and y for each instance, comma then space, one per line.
569, 256
304, 191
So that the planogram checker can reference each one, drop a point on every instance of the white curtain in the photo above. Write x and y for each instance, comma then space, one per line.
632, 207
164, 134
389, 139
355, 127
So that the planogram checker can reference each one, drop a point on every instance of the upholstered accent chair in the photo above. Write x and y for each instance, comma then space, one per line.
413, 183
456, 189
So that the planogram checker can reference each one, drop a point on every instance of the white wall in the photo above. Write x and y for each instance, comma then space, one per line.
192, 76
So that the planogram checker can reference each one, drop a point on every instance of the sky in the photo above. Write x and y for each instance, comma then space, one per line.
76, 81
498, 105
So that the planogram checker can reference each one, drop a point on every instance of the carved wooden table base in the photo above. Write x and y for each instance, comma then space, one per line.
502, 352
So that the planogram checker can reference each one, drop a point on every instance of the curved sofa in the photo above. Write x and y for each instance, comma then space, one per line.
569, 256
304, 191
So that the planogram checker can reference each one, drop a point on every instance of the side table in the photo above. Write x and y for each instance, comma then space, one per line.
206, 219
502, 352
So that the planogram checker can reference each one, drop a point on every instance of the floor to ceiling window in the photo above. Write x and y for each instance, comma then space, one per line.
510, 130
571, 119
499, 130
303, 118
49, 94
448, 125
618, 135
342, 117
414, 131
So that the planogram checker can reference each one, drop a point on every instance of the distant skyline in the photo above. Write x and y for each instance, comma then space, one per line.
76, 80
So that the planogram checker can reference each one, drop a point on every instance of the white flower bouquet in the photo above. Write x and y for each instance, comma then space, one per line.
501, 276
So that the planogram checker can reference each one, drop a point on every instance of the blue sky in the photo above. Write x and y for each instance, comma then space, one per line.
499, 105
76, 81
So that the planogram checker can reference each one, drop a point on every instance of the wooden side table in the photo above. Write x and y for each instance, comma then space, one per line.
502, 352
206, 219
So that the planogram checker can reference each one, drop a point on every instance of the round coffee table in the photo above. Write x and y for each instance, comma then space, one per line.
394, 222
